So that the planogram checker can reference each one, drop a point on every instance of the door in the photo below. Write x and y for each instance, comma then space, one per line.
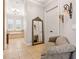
52, 23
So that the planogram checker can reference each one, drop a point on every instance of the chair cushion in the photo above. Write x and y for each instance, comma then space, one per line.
51, 44
46, 47
61, 40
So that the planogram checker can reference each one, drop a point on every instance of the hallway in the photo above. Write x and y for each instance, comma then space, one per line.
17, 49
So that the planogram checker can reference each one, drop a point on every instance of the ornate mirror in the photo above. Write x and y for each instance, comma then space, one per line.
37, 31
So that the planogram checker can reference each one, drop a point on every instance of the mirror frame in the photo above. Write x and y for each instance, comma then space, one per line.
37, 19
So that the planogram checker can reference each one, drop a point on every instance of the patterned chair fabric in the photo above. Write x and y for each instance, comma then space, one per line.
58, 48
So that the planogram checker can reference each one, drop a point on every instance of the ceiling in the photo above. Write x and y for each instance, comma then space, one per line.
42, 1
16, 4
19, 5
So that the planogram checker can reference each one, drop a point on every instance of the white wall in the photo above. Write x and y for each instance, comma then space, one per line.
5, 22
32, 11
74, 22
69, 29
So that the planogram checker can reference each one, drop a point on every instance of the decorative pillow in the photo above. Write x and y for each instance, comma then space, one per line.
61, 40
53, 39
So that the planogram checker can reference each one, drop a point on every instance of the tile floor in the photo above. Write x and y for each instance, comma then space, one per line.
17, 49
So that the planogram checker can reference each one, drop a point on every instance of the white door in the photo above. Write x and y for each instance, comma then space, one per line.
52, 22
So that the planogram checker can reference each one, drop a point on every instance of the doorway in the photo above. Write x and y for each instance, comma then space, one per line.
13, 21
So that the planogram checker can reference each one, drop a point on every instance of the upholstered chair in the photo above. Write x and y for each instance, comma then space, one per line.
58, 47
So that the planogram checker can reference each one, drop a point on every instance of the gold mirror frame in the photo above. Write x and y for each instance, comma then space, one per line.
35, 43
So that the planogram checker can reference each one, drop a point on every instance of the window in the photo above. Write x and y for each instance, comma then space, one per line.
19, 24
15, 15
10, 24
15, 24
